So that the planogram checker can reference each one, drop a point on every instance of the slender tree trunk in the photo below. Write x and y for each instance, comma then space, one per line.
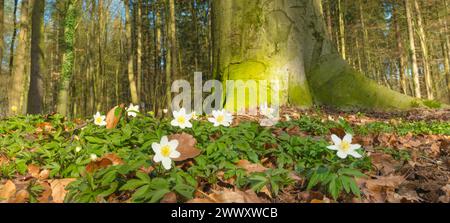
412, 51
446, 50
169, 55
400, 52
70, 23
173, 40
365, 42
2, 6
426, 57
342, 29
158, 58
196, 49
329, 19
139, 46
20, 68
35, 94
13, 38
129, 34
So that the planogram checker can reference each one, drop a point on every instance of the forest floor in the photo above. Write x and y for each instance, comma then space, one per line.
406, 158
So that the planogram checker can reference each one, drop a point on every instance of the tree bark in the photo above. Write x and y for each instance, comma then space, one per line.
412, 51
13, 38
2, 6
400, 50
172, 32
426, 57
129, 34
342, 30
20, 69
70, 22
139, 41
35, 94
286, 40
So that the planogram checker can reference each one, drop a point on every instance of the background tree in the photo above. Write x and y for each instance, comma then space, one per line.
35, 93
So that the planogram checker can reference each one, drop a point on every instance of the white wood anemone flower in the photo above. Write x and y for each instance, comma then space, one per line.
99, 119
221, 117
165, 151
93, 157
181, 119
344, 147
133, 110
270, 113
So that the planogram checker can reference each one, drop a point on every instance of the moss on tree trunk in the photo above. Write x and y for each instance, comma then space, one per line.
286, 40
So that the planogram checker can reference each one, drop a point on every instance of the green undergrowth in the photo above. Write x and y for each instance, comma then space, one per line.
222, 148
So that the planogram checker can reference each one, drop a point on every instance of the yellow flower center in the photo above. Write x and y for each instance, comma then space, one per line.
220, 118
345, 146
99, 120
165, 151
181, 120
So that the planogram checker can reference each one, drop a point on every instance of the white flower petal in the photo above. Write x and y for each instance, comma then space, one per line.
348, 138
156, 147
354, 147
167, 164
174, 123
333, 147
164, 140
174, 154
354, 154
173, 144
342, 154
157, 158
188, 124
336, 140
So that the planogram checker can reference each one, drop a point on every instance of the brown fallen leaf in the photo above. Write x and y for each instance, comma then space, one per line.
169, 198
229, 196
46, 193
381, 189
113, 117
7, 191
186, 146
44, 127
59, 189
99, 164
3, 160
44, 174
200, 201
33, 170
385, 163
237, 196
446, 197
251, 167
115, 159
21, 197
295, 131
338, 131
324, 201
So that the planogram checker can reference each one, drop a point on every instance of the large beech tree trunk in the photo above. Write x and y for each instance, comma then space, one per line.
286, 40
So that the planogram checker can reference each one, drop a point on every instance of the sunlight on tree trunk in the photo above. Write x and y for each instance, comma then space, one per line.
412, 51
288, 42
131, 77
20, 68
